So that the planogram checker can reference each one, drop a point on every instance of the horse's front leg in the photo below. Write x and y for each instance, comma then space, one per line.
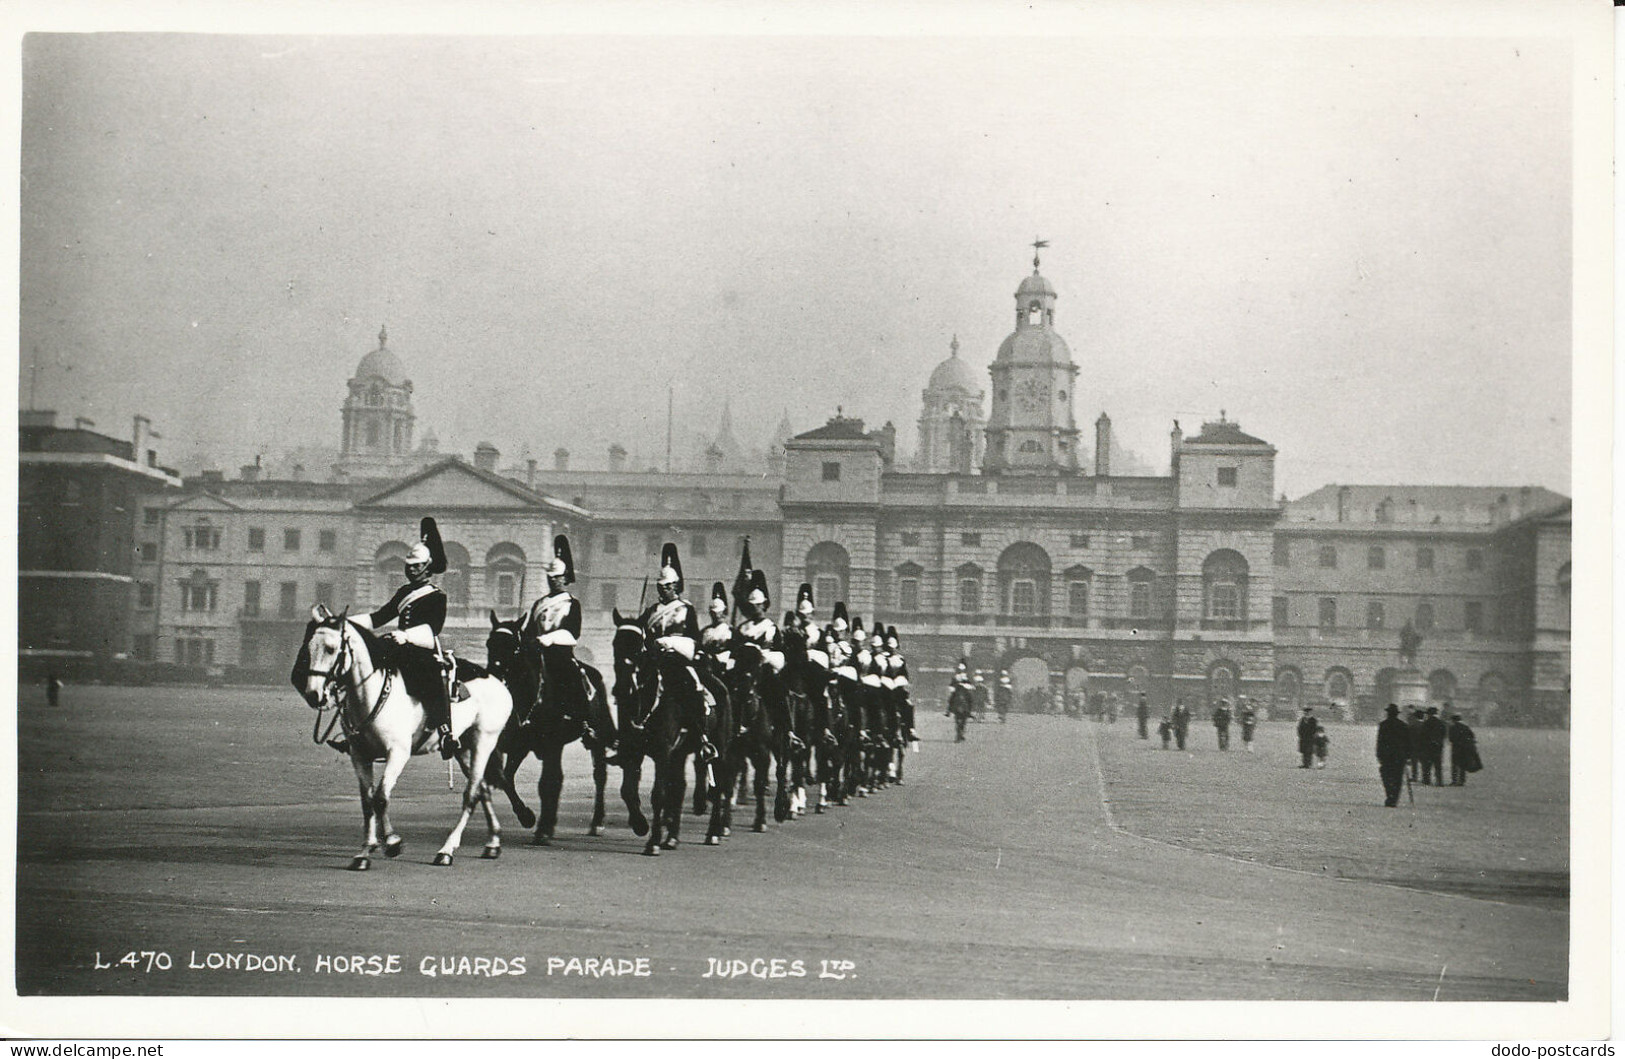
674, 802
759, 764
699, 787
548, 786
721, 776
473, 762
511, 760
631, 780
781, 796
600, 778
657, 806
369, 816
394, 765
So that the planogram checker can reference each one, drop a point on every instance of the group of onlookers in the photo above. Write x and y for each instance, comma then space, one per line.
1406, 748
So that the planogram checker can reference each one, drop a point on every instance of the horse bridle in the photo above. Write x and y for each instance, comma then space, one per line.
331, 675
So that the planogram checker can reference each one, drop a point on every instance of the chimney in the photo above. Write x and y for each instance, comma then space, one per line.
485, 456
561, 459
251, 471
530, 474
298, 472
1103, 446
212, 477
1343, 502
1175, 439
138, 440
37, 418
617, 457
81, 423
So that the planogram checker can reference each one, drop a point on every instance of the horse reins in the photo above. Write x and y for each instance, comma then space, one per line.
341, 665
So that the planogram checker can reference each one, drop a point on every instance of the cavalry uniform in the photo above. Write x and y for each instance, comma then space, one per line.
801, 621
554, 624
896, 681
671, 641
717, 638
418, 610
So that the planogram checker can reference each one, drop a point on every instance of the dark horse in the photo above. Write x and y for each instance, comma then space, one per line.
652, 726
807, 706
754, 736
537, 727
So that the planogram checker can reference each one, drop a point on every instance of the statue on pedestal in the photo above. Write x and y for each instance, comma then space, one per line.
1410, 642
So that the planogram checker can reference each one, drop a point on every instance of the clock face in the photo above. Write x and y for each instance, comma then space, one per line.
1032, 395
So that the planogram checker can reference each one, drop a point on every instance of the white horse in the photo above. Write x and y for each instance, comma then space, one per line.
383, 722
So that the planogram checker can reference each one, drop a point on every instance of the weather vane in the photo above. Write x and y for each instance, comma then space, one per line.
1038, 244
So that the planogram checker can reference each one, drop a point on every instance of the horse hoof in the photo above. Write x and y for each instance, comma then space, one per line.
759, 826
727, 831
393, 846
442, 860
640, 826
526, 818
541, 840
713, 840
595, 830
491, 853
669, 843
818, 810
360, 864
651, 851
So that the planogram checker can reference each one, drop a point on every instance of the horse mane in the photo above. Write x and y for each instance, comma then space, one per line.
375, 646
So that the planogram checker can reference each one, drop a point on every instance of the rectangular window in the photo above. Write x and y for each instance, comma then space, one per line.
970, 595
908, 594
698, 545
251, 599
327, 541
506, 583
607, 597
324, 593
1140, 542
1227, 476
194, 652
832, 472
1475, 559
1139, 599
1279, 613
201, 538
146, 595
256, 539
290, 540
1226, 602
149, 551
1424, 558
1080, 540
909, 540
1023, 597
1328, 613
151, 516
1375, 558
1283, 552
612, 544
1077, 599
970, 540
1424, 616
197, 597
1328, 556
1375, 617
288, 599
1474, 616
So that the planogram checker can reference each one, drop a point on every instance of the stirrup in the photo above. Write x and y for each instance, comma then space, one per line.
448, 743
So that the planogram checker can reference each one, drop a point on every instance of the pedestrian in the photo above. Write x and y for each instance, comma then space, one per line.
1221, 723
1323, 745
1414, 728
1249, 722
53, 689
1393, 755
1166, 730
1003, 696
1182, 722
1463, 751
1308, 725
1434, 734
1142, 716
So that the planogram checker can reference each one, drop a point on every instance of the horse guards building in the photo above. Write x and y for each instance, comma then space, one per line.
1002, 544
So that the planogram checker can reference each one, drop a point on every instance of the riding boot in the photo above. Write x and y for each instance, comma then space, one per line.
341, 744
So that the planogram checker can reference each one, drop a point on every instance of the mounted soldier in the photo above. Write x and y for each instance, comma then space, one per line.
896, 680
717, 638
554, 626
671, 643
418, 610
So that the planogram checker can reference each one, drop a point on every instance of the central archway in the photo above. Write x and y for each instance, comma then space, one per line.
1030, 677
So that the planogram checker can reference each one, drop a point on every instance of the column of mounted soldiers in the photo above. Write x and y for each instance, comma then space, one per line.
822, 705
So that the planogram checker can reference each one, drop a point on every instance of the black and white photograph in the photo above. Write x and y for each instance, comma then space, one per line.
1011, 503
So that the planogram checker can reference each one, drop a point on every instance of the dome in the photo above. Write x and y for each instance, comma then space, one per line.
1035, 284
1035, 344
382, 363
954, 374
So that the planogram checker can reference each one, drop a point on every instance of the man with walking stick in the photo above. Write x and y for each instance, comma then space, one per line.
1393, 754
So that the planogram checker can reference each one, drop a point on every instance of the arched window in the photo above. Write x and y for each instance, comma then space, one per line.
1441, 685
1492, 693
372, 433
1140, 581
1024, 580
908, 587
505, 576
1035, 314
1079, 580
969, 580
1221, 681
1339, 686
829, 571
388, 570
1031, 446
1224, 586
1288, 688
454, 582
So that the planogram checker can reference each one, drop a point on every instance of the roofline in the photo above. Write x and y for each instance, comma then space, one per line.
507, 485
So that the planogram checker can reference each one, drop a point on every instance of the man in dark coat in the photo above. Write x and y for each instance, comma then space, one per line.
1221, 723
1142, 715
1463, 751
1393, 754
1182, 722
1308, 725
1003, 696
1414, 760
1434, 734
1249, 723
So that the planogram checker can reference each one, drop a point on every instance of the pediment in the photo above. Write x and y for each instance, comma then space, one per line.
454, 485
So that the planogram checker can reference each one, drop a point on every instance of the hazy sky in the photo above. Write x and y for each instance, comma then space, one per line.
1359, 248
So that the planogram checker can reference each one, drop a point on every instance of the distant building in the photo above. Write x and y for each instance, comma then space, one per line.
78, 497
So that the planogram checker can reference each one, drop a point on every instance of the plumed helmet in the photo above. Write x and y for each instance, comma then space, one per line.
840, 620
562, 565
747, 575
758, 596
804, 599
671, 568
719, 598
891, 636
428, 549
878, 633
859, 633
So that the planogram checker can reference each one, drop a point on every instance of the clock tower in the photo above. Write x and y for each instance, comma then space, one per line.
1031, 429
